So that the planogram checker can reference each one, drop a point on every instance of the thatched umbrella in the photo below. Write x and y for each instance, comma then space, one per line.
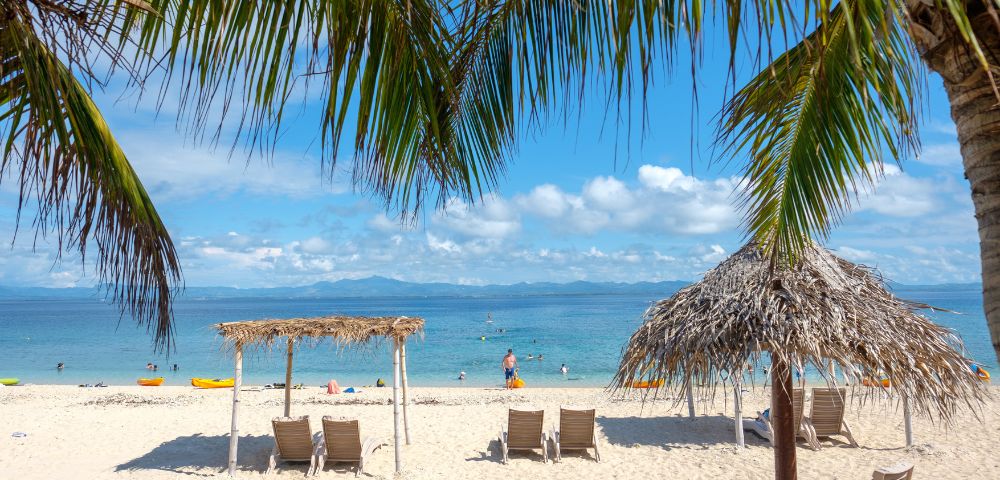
825, 311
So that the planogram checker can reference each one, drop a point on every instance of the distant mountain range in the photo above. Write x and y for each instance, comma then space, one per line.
387, 287
378, 287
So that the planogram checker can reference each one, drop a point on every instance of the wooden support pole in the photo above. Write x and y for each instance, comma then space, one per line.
288, 378
738, 406
783, 420
406, 396
395, 407
234, 432
907, 421
690, 394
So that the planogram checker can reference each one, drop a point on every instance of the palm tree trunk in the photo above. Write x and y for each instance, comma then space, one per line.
782, 420
975, 108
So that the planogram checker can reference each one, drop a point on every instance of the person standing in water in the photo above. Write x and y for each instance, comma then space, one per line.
508, 364
564, 369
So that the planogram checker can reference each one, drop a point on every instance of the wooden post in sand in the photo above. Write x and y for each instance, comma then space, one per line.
406, 397
234, 433
737, 405
690, 394
907, 421
395, 407
288, 379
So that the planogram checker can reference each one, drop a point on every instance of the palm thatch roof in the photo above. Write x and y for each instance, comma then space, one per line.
823, 311
343, 330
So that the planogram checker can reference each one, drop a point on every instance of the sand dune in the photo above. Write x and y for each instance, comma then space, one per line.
174, 432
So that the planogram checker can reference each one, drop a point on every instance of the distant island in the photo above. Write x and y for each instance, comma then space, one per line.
387, 287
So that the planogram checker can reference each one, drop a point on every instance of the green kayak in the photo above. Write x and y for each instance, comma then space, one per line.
9, 381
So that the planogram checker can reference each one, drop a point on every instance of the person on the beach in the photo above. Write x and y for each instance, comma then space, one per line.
461, 376
539, 356
564, 369
530, 357
156, 367
149, 366
508, 364
60, 366
175, 367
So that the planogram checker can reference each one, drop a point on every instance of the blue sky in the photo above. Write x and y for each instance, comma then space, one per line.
579, 202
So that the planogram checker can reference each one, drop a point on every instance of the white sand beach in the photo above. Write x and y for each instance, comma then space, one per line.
175, 432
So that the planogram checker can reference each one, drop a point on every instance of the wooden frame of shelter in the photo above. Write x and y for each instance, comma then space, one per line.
343, 331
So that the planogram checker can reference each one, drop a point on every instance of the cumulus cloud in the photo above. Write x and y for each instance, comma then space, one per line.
941, 155
901, 195
492, 218
664, 200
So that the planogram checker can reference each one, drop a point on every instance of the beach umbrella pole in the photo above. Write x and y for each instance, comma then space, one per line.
737, 404
395, 406
782, 419
234, 433
288, 379
406, 396
907, 421
690, 394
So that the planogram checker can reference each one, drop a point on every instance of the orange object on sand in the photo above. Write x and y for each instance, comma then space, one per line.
517, 383
648, 384
150, 382
332, 387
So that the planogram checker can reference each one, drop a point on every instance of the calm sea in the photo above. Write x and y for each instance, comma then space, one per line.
584, 332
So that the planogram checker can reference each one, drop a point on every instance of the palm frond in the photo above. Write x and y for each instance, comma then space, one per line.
818, 123
62, 154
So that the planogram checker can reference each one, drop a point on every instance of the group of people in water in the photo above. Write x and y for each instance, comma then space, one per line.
154, 367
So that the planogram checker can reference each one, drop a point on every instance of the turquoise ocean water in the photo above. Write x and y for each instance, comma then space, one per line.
584, 332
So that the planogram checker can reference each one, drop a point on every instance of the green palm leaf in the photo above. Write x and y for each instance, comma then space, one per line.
62, 153
818, 122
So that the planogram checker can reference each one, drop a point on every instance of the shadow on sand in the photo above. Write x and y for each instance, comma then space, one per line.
673, 432
196, 452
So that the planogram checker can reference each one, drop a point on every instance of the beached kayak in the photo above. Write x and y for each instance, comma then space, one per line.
10, 381
648, 384
150, 382
210, 383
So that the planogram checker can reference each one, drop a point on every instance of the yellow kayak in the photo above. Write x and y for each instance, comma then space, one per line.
150, 382
212, 383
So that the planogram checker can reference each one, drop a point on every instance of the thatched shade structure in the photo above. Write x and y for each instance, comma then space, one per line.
825, 311
343, 331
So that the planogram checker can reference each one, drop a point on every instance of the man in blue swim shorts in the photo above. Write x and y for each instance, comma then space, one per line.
508, 364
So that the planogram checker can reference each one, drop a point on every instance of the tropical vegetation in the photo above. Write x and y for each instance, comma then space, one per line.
436, 94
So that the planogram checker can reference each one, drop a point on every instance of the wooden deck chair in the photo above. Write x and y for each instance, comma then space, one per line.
524, 432
899, 471
292, 442
826, 418
341, 442
575, 432
801, 430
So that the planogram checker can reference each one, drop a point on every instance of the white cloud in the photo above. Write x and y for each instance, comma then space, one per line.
901, 195
664, 201
941, 155
170, 170
492, 218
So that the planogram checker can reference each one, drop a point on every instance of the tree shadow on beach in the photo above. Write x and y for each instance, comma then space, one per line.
189, 454
673, 432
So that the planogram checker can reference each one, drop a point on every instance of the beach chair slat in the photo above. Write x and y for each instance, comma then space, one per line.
525, 429
293, 438
343, 439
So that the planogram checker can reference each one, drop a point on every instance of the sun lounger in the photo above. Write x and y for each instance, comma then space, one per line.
899, 471
292, 442
341, 442
827, 416
762, 425
523, 432
575, 432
